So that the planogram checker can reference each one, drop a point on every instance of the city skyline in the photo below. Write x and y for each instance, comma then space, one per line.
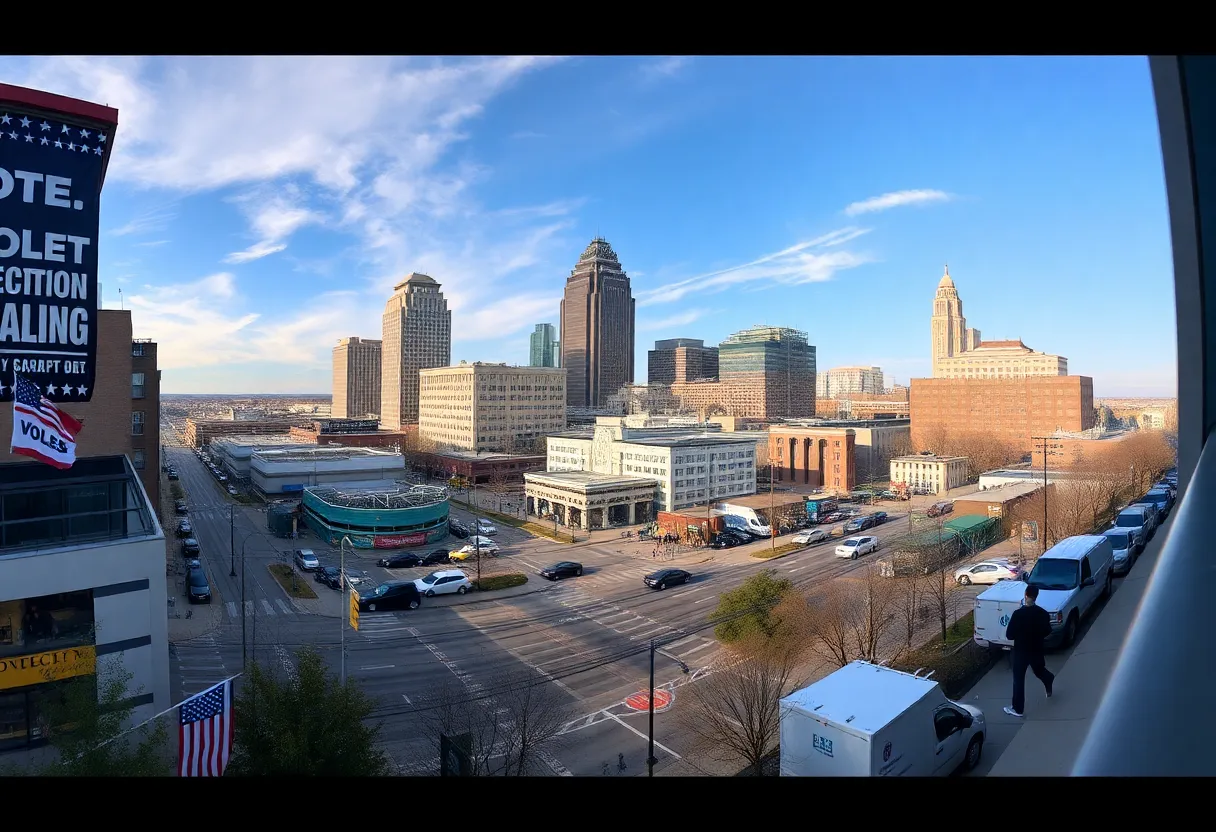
292, 178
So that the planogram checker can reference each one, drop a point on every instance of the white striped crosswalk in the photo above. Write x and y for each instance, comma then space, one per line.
263, 608
204, 661
378, 626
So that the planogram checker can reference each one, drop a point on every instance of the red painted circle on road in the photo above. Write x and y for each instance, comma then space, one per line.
640, 701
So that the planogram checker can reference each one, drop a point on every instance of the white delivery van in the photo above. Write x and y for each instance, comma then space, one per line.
1071, 577
866, 720
753, 523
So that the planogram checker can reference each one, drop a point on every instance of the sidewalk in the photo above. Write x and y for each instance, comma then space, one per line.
203, 617
1046, 741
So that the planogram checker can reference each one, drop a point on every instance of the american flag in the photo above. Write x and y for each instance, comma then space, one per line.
41, 430
205, 732
53, 135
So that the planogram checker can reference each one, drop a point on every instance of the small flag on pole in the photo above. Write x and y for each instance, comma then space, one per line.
206, 731
41, 430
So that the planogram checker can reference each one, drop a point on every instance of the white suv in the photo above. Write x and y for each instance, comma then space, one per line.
444, 582
855, 547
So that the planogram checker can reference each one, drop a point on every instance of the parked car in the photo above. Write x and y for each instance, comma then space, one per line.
354, 577
180, 508
940, 508
1163, 498
562, 569
184, 529
880, 517
435, 557
391, 595
855, 547
172, 474
987, 572
306, 560
457, 530
476, 539
808, 537
405, 560
198, 591
232, 490
331, 576
738, 535
190, 548
724, 541
1154, 516
1135, 519
666, 577
444, 582
1127, 545
466, 552
485, 527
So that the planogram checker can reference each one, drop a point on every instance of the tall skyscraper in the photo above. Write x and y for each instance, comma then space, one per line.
417, 335
545, 352
770, 372
356, 378
597, 327
677, 360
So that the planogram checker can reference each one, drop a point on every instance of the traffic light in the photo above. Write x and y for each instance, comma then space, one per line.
354, 608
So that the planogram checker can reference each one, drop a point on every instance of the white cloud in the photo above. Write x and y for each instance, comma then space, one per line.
274, 219
896, 199
503, 317
798, 264
527, 134
152, 243
667, 67
682, 319
153, 219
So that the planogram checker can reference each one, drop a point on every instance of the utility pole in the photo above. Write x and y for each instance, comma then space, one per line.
650, 761
342, 582
232, 539
772, 507
1049, 448
244, 616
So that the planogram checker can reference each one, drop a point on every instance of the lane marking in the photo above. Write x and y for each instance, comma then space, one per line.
407, 700
266, 605
689, 591
797, 569
249, 608
702, 600
696, 649
530, 646
657, 629
377, 667
283, 606
682, 641
231, 605
657, 744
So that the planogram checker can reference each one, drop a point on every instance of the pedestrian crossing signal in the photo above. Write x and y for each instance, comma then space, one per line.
354, 609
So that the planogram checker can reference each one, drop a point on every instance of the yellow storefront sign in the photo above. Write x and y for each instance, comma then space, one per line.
37, 668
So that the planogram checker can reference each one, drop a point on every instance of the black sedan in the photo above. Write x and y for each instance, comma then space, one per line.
402, 561
331, 576
190, 548
457, 530
435, 556
562, 569
665, 578
724, 541
180, 508
184, 529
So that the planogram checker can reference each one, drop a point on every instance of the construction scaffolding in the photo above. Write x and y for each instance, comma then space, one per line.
415, 496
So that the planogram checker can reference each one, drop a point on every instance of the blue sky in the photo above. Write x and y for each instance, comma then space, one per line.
257, 209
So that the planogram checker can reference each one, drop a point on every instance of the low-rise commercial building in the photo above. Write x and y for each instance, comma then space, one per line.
354, 433
686, 466
233, 454
199, 432
1002, 503
82, 590
477, 467
814, 456
588, 500
928, 473
390, 518
490, 407
288, 471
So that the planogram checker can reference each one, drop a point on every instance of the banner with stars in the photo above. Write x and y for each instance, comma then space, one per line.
52, 165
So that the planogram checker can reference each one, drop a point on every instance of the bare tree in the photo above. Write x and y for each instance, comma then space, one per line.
937, 551
534, 712
876, 602
733, 713
450, 710
830, 625
910, 606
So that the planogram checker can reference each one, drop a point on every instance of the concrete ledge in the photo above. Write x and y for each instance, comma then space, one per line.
1048, 742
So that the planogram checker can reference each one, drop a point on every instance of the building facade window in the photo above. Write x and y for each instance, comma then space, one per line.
137, 385
137, 459
137, 423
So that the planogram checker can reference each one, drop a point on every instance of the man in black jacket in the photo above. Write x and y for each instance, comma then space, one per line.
1028, 628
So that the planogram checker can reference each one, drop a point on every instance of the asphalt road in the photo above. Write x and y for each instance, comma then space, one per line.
588, 637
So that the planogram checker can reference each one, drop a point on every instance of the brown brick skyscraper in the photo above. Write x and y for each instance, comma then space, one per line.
597, 327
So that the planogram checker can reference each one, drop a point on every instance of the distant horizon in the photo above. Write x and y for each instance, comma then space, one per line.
330, 396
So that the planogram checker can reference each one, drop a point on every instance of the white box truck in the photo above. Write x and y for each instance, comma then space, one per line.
753, 523
1071, 576
866, 720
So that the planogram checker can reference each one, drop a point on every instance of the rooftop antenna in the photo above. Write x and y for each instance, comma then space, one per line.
120, 301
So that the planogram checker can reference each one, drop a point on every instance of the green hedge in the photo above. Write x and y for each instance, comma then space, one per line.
501, 581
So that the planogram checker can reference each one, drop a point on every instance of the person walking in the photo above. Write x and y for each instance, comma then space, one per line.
1028, 628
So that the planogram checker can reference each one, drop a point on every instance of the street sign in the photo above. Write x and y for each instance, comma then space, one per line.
354, 608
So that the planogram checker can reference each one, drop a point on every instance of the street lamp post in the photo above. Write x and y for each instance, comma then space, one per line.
231, 539
244, 612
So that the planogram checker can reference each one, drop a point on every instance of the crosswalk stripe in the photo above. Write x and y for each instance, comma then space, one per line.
249, 608
283, 606
696, 649
231, 605
266, 605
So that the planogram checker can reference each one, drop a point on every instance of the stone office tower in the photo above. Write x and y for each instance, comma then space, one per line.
417, 335
597, 327
356, 378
